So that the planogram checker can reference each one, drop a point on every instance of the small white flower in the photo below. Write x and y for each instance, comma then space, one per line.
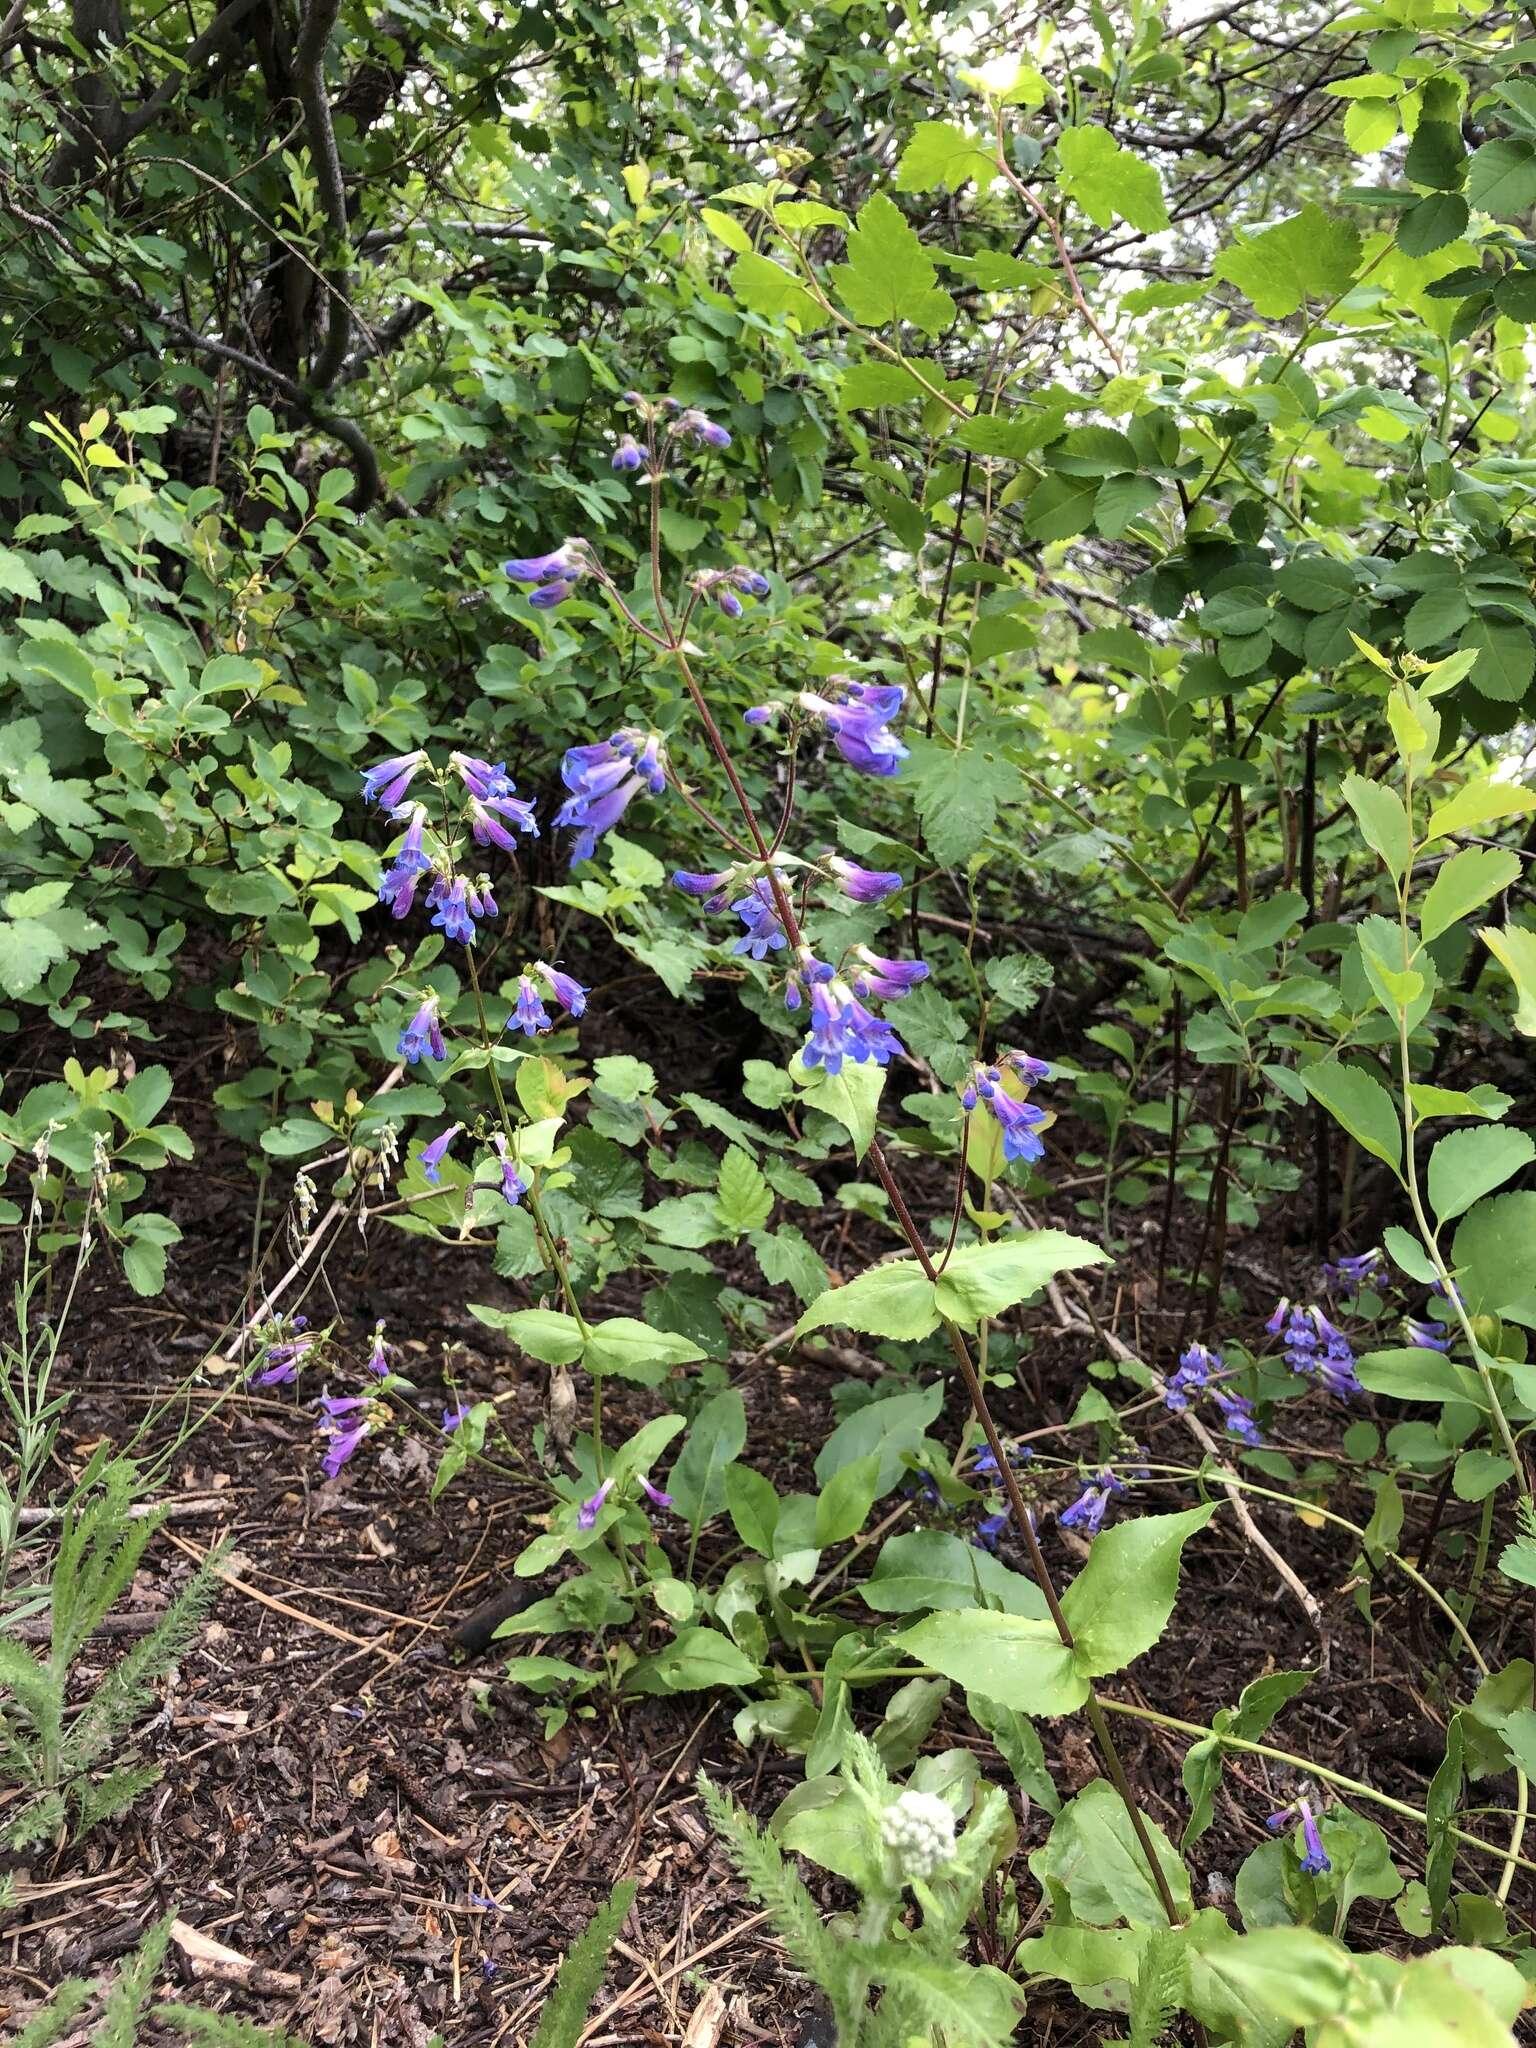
919, 1831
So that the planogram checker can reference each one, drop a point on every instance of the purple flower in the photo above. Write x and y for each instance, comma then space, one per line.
398, 888
452, 1417
588, 1512
284, 1359
1237, 1413
986, 1462
432, 1155
556, 574
450, 909
530, 1015
482, 903
490, 816
858, 719
709, 888
424, 1034
1348, 1277
1022, 1064
1196, 1366
654, 1494
1088, 1510
1315, 1862
628, 455
603, 777
842, 1028
1426, 1336
695, 426
345, 1423
378, 1356
990, 1528
1313, 1346
567, 990
806, 973
759, 912
483, 779
513, 1186
759, 714
387, 781
1020, 1122
890, 978
864, 885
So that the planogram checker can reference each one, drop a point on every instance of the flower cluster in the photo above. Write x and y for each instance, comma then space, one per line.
602, 778
529, 1013
490, 807
1315, 1860
857, 717
1315, 1347
1201, 1371
1348, 1278
1020, 1120
510, 1182
990, 1527
555, 575
918, 1832
1087, 1512
721, 586
282, 1359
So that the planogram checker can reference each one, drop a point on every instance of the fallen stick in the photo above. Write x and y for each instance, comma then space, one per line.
210, 1958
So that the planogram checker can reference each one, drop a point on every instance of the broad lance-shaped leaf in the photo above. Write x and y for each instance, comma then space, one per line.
898, 1300
1359, 1102
985, 1279
1119, 1603
545, 1334
1009, 1657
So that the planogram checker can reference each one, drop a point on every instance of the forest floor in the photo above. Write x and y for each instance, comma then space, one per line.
372, 1819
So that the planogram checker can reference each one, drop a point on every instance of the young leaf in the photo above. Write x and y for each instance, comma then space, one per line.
1383, 821
1010, 1657
1106, 180
987, 1279
1467, 879
745, 1201
1119, 1603
1360, 1103
1466, 1165
1515, 950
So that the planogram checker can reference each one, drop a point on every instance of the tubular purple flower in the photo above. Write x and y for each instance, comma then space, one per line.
567, 990
452, 1417
729, 602
483, 779
1315, 1862
1088, 1510
759, 714
1028, 1069
759, 912
1425, 1336
489, 818
1237, 1413
1019, 1121
628, 455
695, 426
588, 1512
424, 1034
858, 720
654, 1494
753, 582
592, 816
603, 777
450, 912
890, 978
864, 885
432, 1155
990, 1528
387, 781
1196, 1366
555, 574
1348, 1277
1276, 1321
378, 1356
284, 1359
482, 903
513, 1186
341, 1424
530, 1015
711, 888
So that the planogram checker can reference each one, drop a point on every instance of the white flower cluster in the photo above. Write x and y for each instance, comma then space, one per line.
919, 1831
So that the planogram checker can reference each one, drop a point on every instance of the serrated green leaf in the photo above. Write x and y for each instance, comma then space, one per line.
1312, 255
1106, 180
889, 276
